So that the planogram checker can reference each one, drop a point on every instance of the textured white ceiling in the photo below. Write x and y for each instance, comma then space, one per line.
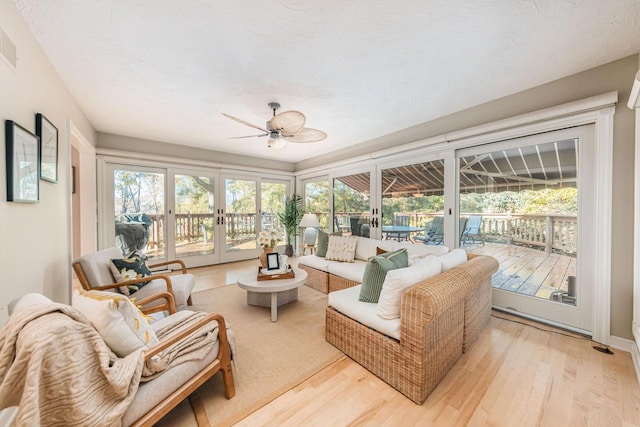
165, 70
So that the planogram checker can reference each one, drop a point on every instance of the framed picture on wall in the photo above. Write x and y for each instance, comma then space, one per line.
48, 134
22, 154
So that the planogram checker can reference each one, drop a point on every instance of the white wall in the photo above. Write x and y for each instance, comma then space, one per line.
35, 238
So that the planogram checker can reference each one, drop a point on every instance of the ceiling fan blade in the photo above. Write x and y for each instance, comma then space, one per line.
288, 122
245, 123
306, 135
248, 136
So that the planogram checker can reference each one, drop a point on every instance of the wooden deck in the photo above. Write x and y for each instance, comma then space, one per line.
528, 271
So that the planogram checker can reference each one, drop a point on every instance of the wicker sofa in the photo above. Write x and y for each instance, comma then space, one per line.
439, 320
329, 276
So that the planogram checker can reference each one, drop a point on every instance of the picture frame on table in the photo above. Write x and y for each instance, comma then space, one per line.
273, 261
22, 160
48, 135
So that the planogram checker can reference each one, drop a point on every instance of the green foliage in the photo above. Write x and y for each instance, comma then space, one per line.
290, 216
347, 199
562, 201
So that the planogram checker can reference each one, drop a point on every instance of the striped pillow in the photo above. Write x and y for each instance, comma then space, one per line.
376, 271
342, 248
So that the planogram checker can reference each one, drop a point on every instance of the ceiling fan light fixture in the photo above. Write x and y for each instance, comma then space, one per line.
275, 141
417, 194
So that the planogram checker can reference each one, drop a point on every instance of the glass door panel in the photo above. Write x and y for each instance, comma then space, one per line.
316, 200
351, 204
194, 216
523, 202
413, 202
272, 197
240, 214
139, 211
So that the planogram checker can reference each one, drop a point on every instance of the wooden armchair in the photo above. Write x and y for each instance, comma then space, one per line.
94, 272
152, 400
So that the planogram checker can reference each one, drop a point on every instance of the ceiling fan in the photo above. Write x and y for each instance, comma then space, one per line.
284, 127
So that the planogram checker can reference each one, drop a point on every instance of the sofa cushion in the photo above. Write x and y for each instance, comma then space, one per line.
399, 280
346, 302
323, 242
376, 270
453, 258
315, 261
419, 249
342, 248
349, 270
366, 248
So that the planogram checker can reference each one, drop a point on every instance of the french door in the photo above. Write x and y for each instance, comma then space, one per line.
353, 210
192, 214
529, 203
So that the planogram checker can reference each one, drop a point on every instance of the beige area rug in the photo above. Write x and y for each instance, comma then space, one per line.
272, 358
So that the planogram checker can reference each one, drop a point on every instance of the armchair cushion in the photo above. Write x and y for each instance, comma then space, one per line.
96, 266
182, 285
122, 325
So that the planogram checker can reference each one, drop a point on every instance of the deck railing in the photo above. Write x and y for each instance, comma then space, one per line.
199, 227
551, 232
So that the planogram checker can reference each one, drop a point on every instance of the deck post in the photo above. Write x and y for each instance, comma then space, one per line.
549, 239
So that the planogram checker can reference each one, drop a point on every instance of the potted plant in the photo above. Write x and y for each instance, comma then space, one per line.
290, 218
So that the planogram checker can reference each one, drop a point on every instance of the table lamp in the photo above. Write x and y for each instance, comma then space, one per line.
310, 223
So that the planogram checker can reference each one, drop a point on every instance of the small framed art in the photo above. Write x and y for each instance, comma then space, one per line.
22, 154
273, 261
48, 134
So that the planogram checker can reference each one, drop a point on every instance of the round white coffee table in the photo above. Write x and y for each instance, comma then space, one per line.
272, 293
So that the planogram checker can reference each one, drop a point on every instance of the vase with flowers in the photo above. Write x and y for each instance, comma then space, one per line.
268, 240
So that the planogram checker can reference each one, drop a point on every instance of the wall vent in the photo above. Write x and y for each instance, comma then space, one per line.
8, 50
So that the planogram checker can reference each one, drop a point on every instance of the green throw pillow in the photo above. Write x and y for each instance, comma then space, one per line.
376, 270
130, 268
323, 242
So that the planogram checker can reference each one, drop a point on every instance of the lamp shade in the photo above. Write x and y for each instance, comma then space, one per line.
310, 220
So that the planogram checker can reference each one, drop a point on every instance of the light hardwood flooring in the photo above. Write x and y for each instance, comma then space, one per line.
514, 375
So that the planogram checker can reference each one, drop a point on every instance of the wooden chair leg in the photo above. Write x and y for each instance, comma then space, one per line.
198, 410
227, 378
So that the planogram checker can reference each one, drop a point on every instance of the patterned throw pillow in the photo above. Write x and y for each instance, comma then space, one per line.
130, 268
122, 325
376, 271
342, 248
323, 243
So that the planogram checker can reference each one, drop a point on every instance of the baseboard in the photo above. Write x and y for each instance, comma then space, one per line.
630, 346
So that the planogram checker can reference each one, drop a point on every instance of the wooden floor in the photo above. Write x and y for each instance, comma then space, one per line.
514, 375
528, 271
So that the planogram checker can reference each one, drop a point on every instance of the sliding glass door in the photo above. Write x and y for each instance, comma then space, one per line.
352, 204
413, 202
528, 203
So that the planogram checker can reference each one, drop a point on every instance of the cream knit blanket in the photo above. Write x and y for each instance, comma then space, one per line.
57, 368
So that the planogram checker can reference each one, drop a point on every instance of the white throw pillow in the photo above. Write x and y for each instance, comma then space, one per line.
453, 258
399, 280
341, 248
122, 325
366, 248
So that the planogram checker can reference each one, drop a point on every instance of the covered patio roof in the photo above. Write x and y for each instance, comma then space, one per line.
550, 165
